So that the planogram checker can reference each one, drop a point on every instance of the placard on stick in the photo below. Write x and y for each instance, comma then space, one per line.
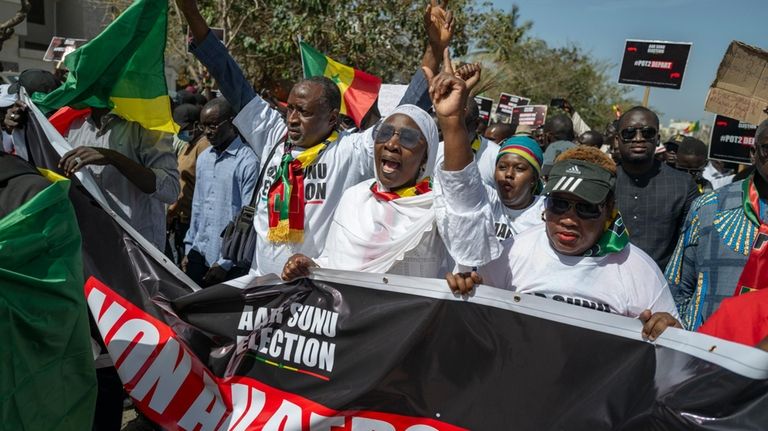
61, 46
531, 115
485, 105
731, 140
506, 103
740, 89
654, 63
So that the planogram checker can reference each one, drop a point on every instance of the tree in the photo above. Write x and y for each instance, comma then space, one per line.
7, 29
525, 66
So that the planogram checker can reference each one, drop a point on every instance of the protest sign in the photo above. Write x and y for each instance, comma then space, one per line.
731, 140
389, 97
654, 63
531, 115
740, 89
506, 103
485, 105
61, 46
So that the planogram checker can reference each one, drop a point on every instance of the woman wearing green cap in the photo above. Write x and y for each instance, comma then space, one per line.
581, 255
515, 201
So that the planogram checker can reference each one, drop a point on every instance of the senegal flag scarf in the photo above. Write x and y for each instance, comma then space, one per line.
755, 273
423, 186
286, 195
614, 238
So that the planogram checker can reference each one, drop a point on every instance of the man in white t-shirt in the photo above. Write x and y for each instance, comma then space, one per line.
581, 255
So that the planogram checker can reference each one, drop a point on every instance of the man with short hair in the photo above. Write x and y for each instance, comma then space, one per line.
692, 158
225, 177
591, 138
652, 197
497, 132
722, 251
558, 137
309, 155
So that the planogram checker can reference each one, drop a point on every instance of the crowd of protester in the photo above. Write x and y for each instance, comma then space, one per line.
611, 220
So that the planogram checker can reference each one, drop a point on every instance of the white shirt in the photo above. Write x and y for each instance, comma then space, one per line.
344, 163
625, 283
509, 222
485, 158
715, 177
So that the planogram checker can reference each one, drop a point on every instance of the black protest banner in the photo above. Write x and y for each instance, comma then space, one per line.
485, 105
654, 63
531, 115
731, 140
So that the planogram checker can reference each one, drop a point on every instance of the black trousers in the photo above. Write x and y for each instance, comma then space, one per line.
196, 269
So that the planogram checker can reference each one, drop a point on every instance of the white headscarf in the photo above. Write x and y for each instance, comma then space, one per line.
370, 235
428, 128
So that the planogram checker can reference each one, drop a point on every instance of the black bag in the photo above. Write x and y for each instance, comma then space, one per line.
238, 240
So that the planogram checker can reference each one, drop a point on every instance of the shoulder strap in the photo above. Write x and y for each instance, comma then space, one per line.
264, 166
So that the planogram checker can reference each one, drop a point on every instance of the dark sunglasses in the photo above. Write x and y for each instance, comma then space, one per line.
647, 133
584, 210
409, 138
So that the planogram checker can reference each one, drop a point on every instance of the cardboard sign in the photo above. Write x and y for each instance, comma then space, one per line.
60, 47
506, 103
485, 106
531, 115
731, 140
220, 34
654, 63
740, 89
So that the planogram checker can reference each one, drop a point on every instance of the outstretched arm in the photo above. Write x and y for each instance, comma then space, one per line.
214, 55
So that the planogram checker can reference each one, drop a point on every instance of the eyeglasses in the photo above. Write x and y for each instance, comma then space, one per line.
213, 127
584, 210
647, 133
409, 138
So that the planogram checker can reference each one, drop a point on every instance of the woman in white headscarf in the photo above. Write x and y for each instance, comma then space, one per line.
414, 218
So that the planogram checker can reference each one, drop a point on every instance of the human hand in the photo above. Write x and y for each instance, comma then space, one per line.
184, 263
16, 116
656, 323
463, 282
448, 93
438, 22
297, 267
80, 157
215, 275
470, 74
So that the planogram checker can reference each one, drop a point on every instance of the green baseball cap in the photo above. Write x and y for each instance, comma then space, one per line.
585, 180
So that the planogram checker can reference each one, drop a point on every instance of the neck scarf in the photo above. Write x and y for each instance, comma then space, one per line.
286, 195
614, 238
754, 276
422, 187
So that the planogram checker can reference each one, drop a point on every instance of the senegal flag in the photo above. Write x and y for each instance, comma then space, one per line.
359, 90
47, 376
123, 68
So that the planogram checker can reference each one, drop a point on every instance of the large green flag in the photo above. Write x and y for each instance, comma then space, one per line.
47, 375
123, 68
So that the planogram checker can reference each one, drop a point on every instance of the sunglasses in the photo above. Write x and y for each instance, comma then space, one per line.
647, 133
213, 127
584, 210
409, 138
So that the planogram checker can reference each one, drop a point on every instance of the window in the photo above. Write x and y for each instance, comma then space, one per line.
36, 13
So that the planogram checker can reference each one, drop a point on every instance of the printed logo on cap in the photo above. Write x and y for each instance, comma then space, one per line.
573, 170
567, 184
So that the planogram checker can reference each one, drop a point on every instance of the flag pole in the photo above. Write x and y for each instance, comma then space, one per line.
301, 53
646, 95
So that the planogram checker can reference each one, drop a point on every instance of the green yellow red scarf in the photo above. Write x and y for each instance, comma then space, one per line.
614, 238
423, 186
754, 276
286, 195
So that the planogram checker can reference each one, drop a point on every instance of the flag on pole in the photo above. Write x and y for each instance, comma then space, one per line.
359, 90
692, 127
123, 68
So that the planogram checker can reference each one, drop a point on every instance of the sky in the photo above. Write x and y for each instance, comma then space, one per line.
601, 28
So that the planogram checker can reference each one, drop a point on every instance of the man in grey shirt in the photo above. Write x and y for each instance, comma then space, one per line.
135, 168
558, 137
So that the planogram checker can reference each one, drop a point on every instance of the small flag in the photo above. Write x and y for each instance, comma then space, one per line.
616, 111
359, 90
123, 68
692, 127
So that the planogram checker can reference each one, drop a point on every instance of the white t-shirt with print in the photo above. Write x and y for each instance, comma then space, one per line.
509, 222
625, 283
344, 163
